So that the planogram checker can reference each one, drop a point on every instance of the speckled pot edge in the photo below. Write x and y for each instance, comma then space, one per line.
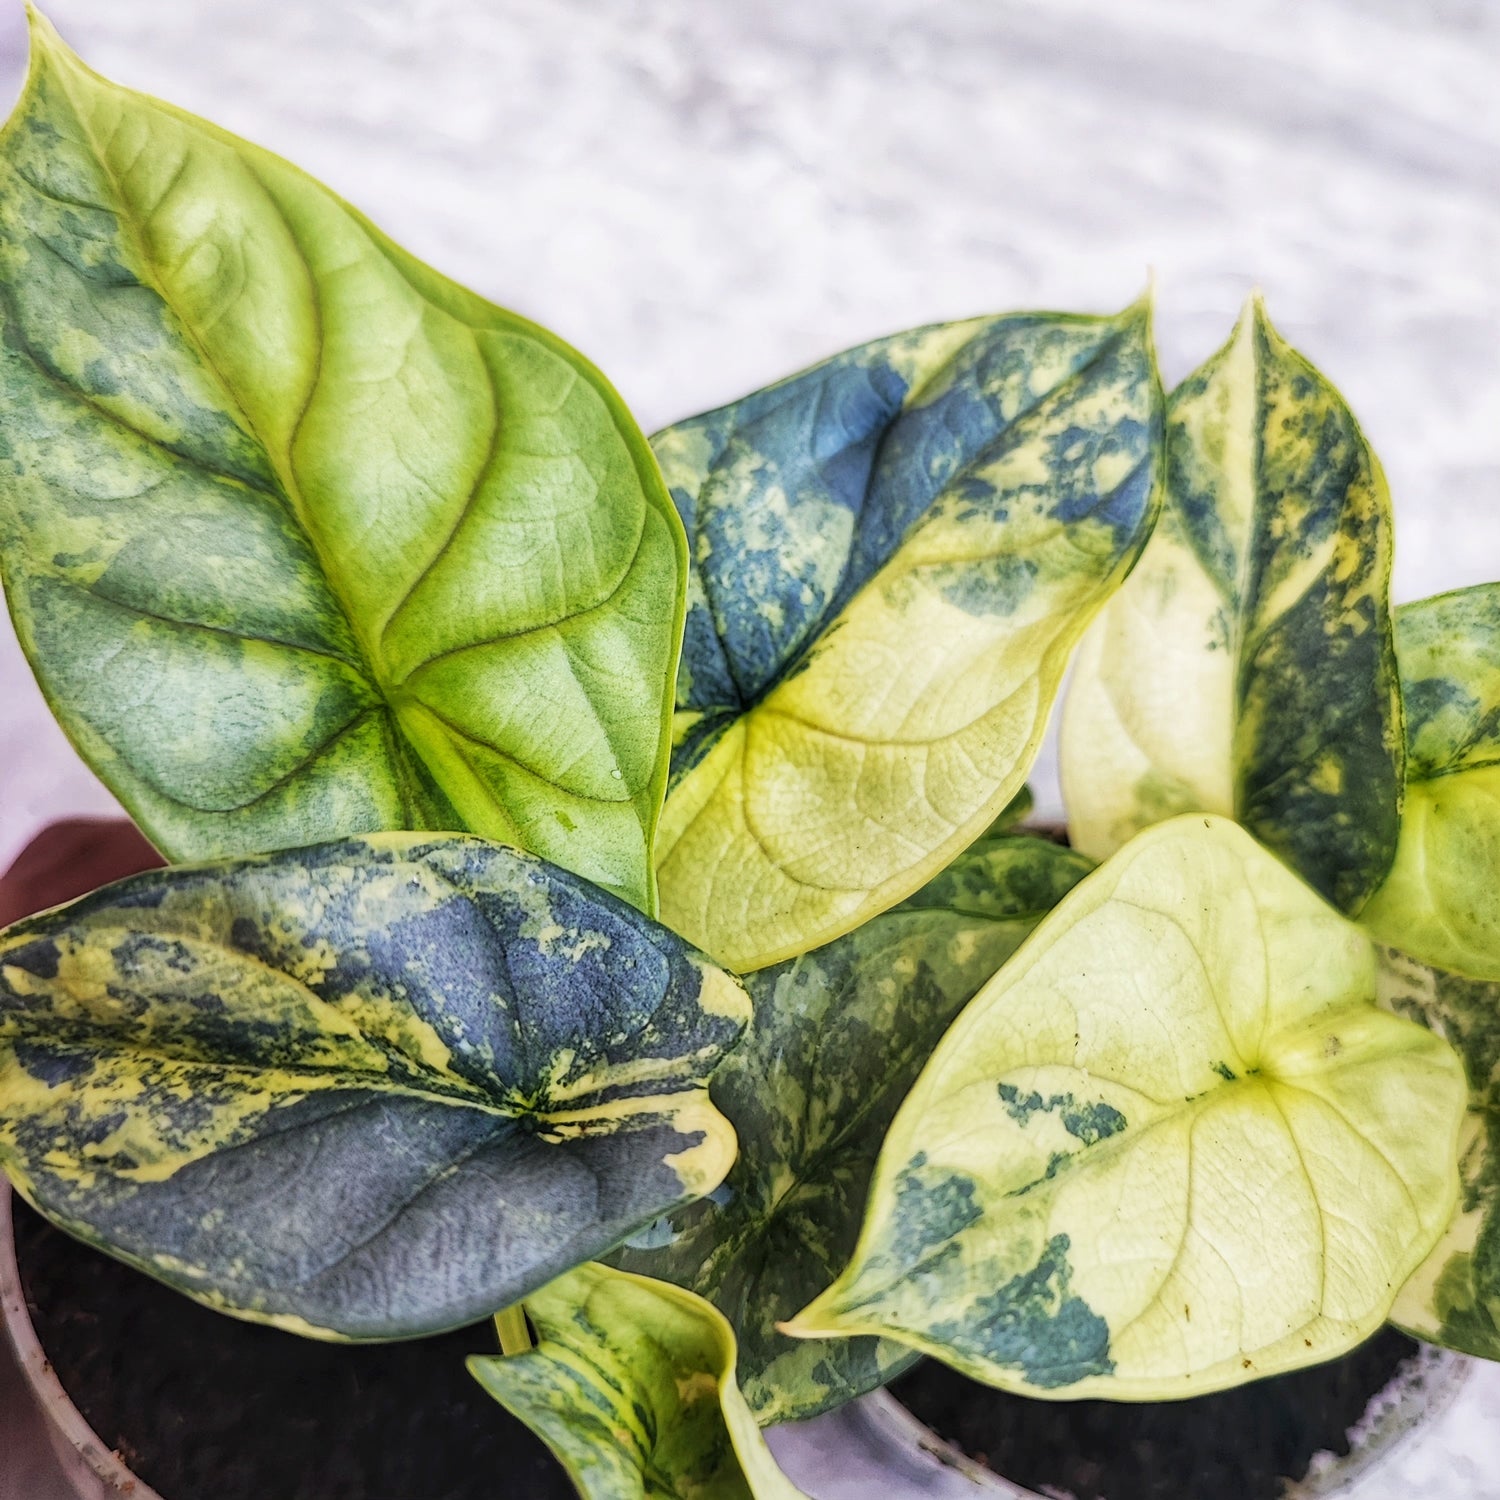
89, 1466
1422, 1387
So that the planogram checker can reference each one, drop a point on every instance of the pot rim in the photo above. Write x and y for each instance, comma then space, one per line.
78, 1446
1422, 1388
1424, 1385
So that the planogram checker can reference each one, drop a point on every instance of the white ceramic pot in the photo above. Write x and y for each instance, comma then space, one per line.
874, 1446
90, 1467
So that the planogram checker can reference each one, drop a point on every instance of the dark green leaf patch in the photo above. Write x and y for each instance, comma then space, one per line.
839, 1035
372, 1089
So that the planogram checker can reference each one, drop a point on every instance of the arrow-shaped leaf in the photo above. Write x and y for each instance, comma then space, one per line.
892, 554
1245, 667
1173, 1145
369, 1089
302, 539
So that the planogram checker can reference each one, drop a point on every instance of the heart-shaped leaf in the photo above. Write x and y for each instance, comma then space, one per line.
1438, 902
302, 539
1454, 1296
1173, 1145
632, 1387
892, 555
1246, 666
370, 1089
838, 1038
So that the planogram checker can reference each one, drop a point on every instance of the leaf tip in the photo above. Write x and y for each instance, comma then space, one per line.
47, 51
1143, 309
1255, 322
43, 35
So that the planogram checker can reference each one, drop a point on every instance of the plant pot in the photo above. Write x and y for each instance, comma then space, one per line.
203, 1406
64, 860
875, 1445
86, 1461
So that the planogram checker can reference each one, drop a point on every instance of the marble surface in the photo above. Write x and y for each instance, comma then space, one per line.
705, 196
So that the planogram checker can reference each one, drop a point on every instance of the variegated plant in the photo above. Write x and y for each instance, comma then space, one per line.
302, 539
1438, 901
891, 556
199, 1066
1174, 1143
838, 1037
1454, 1298
371, 594
1246, 667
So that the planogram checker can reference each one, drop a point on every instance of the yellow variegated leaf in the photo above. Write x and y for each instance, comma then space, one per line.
838, 1038
1246, 667
368, 1089
632, 1387
892, 555
1173, 1145
301, 538
1440, 902
1454, 1296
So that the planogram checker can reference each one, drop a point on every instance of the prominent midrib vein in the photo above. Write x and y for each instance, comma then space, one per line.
293, 496
131, 231
843, 592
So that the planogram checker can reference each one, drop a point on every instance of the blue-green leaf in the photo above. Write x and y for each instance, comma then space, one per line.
369, 1089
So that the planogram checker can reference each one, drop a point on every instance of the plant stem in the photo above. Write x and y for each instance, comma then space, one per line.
515, 1333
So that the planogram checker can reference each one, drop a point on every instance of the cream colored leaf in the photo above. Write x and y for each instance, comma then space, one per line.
892, 556
1173, 1145
1245, 667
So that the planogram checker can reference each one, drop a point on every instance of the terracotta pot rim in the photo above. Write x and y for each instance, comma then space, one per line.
79, 1448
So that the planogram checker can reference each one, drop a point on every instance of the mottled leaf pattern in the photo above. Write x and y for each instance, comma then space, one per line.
1454, 1296
632, 1387
1439, 901
839, 1036
1246, 666
892, 555
302, 539
370, 1089
1172, 1146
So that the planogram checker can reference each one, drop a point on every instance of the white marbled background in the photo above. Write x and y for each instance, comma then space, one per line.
705, 196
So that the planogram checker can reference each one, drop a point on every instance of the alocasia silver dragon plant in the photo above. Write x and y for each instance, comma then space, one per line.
599, 885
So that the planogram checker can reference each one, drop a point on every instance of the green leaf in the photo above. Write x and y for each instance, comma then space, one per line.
1438, 902
1173, 1145
893, 554
1246, 667
301, 538
839, 1037
632, 1387
1454, 1296
370, 1089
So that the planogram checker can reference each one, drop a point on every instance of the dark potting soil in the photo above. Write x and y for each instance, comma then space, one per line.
1240, 1444
204, 1407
